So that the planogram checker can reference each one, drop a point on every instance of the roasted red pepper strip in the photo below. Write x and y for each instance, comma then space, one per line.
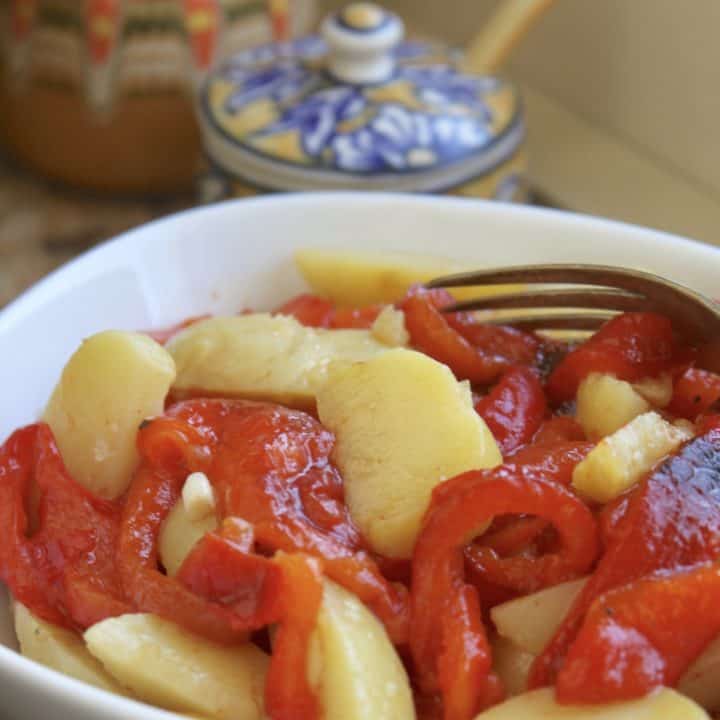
473, 351
514, 409
440, 598
63, 570
642, 636
557, 429
288, 695
355, 318
269, 466
309, 310
694, 393
314, 311
511, 538
672, 519
223, 571
630, 346
285, 590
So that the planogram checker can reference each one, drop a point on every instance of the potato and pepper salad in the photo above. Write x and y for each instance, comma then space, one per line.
358, 507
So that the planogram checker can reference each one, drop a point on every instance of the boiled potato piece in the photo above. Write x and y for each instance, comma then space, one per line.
179, 533
109, 386
362, 277
605, 404
403, 425
512, 665
389, 327
700, 681
169, 667
530, 621
264, 357
60, 649
621, 459
361, 675
656, 390
664, 704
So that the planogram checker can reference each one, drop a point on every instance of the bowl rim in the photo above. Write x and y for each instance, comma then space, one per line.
34, 677
341, 197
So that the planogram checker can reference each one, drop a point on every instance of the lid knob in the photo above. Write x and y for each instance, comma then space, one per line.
360, 38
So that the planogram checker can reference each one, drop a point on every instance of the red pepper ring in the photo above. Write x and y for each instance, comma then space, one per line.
438, 585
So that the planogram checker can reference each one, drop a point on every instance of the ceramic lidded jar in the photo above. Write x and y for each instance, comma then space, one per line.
359, 108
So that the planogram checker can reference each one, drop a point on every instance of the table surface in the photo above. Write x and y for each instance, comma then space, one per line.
43, 225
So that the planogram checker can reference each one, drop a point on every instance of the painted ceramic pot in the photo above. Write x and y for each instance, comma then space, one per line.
359, 108
100, 93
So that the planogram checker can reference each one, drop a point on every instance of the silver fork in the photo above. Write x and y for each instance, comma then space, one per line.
613, 290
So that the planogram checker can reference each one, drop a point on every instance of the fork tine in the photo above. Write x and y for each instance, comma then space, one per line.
590, 320
577, 274
581, 298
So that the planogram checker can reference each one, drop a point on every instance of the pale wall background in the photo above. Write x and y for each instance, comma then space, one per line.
628, 90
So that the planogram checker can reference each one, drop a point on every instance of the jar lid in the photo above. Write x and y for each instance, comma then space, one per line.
357, 108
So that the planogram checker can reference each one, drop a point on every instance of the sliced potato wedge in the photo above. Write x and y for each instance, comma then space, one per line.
361, 277
111, 384
361, 676
169, 667
403, 425
656, 390
178, 535
530, 621
389, 327
512, 665
605, 404
664, 704
61, 650
264, 357
621, 459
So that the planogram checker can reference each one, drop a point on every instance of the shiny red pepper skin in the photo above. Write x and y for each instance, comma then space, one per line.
672, 519
642, 636
309, 310
447, 639
269, 466
694, 393
288, 695
630, 346
285, 590
473, 351
502, 559
557, 429
62, 570
514, 409
314, 311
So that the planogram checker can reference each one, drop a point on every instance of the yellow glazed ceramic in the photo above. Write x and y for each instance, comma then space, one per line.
358, 108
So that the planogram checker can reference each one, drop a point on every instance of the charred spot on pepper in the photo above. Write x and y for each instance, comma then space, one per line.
145, 423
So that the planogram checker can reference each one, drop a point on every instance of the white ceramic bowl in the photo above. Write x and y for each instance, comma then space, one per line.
239, 254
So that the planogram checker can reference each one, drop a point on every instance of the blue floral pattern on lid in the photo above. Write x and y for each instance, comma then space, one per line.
281, 102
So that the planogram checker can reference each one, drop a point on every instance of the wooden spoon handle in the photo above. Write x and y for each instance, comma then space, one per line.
506, 27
